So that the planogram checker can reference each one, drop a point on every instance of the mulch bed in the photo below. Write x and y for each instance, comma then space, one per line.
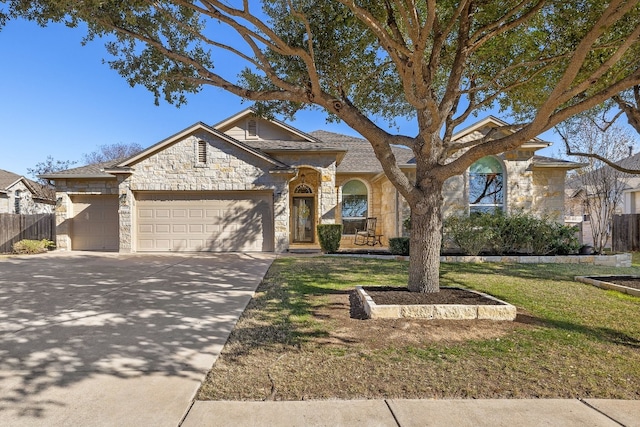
389, 295
628, 281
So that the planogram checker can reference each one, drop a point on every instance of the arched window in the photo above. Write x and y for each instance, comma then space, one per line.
355, 206
303, 189
486, 186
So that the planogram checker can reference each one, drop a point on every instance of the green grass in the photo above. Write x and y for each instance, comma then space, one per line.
569, 340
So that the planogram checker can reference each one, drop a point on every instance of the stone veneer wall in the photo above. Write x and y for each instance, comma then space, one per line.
325, 166
228, 168
548, 192
28, 206
67, 188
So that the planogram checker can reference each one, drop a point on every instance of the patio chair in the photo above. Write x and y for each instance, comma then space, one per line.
368, 236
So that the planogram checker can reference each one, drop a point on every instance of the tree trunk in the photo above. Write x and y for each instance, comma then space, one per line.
426, 239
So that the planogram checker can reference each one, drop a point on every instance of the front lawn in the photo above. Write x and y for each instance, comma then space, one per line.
297, 340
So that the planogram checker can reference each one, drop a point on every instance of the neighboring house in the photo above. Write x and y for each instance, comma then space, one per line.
19, 195
582, 188
251, 184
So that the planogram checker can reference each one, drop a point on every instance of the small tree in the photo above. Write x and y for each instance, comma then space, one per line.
602, 185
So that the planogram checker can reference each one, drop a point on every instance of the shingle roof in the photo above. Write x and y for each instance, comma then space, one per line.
95, 170
39, 191
630, 181
550, 161
277, 145
360, 156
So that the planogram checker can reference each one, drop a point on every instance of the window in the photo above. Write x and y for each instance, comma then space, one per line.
17, 201
202, 152
486, 186
252, 129
355, 206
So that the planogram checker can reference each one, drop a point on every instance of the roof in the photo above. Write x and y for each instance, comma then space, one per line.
492, 122
191, 129
39, 191
360, 157
251, 112
353, 154
95, 170
550, 162
631, 181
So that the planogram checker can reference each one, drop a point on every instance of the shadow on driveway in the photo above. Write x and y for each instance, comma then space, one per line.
107, 338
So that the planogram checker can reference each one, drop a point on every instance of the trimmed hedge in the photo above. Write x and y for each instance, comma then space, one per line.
399, 246
518, 233
329, 236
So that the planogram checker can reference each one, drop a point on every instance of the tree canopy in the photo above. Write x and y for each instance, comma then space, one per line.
363, 61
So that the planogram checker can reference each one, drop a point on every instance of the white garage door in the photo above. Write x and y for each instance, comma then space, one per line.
95, 223
221, 221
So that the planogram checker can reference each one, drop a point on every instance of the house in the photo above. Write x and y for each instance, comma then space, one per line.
19, 195
252, 184
591, 194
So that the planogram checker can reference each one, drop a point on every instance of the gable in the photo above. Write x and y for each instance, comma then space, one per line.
482, 128
253, 128
203, 132
201, 161
247, 126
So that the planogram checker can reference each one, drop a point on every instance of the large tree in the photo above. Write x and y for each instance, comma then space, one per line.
365, 61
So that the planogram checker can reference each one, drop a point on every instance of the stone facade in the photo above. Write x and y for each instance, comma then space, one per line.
20, 197
268, 160
227, 168
66, 189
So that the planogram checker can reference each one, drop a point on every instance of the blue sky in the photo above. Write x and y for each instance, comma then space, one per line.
59, 99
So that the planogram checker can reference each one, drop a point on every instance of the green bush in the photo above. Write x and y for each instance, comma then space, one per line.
32, 246
518, 233
329, 236
468, 233
399, 246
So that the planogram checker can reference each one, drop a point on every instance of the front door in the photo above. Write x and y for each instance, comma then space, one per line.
303, 219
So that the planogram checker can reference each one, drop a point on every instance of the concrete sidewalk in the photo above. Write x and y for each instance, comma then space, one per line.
409, 413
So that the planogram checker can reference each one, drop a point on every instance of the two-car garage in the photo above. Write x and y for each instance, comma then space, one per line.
178, 221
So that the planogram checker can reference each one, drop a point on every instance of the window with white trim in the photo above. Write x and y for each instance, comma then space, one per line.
355, 206
486, 186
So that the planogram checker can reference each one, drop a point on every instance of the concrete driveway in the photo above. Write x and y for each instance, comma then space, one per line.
108, 339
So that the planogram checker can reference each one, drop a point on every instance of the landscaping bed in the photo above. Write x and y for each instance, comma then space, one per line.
625, 284
385, 302
303, 337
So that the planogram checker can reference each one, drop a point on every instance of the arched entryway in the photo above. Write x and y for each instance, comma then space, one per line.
304, 206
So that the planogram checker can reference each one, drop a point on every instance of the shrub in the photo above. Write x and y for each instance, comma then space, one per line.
32, 246
517, 233
329, 236
565, 240
399, 246
468, 233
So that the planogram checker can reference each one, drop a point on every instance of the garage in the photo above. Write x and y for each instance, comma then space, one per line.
95, 225
204, 221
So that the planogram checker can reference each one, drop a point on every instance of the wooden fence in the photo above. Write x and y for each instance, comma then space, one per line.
625, 233
14, 228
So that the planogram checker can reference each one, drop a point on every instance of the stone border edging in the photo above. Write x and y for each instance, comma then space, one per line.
593, 280
617, 260
502, 311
